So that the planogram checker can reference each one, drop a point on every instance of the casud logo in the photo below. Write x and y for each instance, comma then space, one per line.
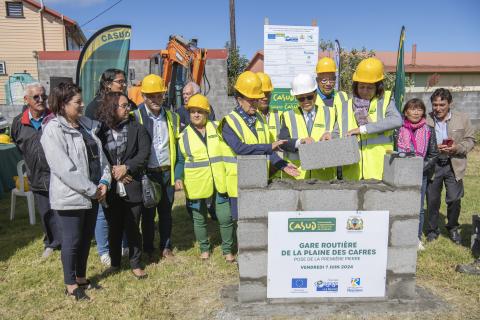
115, 36
312, 225
328, 286
355, 224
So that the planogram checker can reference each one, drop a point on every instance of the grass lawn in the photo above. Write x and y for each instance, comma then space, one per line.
186, 288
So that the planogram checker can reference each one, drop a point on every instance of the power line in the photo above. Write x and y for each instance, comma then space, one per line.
98, 15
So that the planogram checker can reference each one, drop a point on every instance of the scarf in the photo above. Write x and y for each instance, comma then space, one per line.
360, 109
414, 137
249, 120
117, 148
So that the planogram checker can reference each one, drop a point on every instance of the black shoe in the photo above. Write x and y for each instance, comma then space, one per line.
455, 236
472, 268
78, 293
432, 236
143, 276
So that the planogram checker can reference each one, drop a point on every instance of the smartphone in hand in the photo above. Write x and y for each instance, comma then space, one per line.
448, 142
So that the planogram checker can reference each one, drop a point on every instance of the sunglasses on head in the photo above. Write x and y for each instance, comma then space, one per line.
309, 98
38, 96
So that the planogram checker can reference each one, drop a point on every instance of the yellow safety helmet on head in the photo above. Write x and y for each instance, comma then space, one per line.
5, 138
326, 64
266, 82
369, 70
153, 84
249, 85
198, 101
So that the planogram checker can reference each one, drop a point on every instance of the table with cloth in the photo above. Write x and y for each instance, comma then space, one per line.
9, 157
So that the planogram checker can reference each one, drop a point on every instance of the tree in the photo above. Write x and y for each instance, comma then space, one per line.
236, 64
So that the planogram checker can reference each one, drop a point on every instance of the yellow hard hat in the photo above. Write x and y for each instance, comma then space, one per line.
5, 138
266, 82
326, 64
250, 85
369, 70
153, 84
198, 101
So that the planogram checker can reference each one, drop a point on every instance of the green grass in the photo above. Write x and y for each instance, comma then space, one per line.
186, 288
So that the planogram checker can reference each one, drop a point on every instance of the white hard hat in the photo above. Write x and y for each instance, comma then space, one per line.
303, 83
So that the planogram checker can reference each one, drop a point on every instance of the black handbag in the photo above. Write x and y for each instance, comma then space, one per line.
151, 192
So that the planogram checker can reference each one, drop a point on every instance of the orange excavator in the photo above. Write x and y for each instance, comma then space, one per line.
180, 63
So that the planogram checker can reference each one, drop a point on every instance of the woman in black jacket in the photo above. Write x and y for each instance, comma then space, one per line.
416, 136
127, 147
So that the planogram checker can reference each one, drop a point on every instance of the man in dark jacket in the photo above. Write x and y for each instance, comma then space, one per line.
26, 133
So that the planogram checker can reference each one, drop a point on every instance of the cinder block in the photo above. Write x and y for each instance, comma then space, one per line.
325, 199
331, 153
404, 233
403, 172
252, 291
252, 235
252, 264
401, 287
402, 260
398, 202
252, 171
257, 203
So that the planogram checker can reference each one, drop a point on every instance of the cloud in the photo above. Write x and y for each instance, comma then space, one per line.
82, 3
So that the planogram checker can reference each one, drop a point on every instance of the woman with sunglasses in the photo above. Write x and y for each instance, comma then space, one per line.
246, 133
127, 146
370, 115
79, 178
308, 123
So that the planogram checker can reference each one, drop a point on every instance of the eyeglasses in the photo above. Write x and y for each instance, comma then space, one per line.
125, 106
309, 98
120, 82
38, 96
325, 81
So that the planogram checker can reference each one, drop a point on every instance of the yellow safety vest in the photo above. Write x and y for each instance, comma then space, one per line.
204, 169
173, 123
337, 99
297, 127
246, 136
274, 124
372, 146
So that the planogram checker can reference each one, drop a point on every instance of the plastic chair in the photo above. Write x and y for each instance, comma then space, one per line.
22, 193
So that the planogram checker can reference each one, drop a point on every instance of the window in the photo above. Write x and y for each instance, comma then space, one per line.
3, 70
14, 9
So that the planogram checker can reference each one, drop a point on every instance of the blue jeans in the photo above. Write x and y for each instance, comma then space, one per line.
423, 190
101, 234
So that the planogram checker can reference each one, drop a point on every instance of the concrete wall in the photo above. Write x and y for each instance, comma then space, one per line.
400, 196
464, 101
10, 111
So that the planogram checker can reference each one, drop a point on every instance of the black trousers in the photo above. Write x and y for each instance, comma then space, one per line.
454, 193
164, 209
49, 220
123, 217
78, 227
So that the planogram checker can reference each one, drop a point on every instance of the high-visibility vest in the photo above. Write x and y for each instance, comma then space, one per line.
173, 124
337, 99
372, 146
274, 124
295, 122
246, 136
204, 170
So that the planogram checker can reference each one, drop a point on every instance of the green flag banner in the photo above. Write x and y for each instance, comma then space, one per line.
107, 48
282, 100
399, 92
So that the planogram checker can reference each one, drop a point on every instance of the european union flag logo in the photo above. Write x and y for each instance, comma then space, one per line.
271, 36
299, 283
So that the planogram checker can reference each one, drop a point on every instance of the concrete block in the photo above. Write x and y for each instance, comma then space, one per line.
404, 233
326, 154
325, 199
402, 260
398, 202
252, 171
252, 291
252, 264
401, 287
403, 172
252, 235
256, 204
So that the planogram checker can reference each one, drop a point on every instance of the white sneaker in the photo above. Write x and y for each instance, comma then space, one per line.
47, 252
420, 246
105, 259
125, 252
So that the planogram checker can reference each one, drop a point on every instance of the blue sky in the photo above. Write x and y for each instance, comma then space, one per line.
433, 25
